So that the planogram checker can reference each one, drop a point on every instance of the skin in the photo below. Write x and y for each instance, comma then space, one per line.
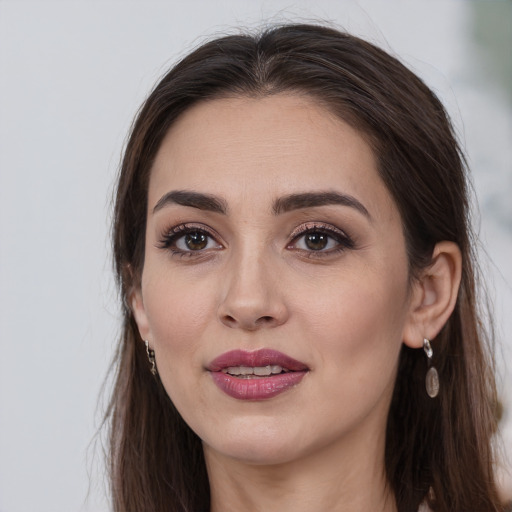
344, 310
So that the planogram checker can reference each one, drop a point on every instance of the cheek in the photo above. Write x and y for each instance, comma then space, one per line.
356, 331
357, 322
179, 315
177, 312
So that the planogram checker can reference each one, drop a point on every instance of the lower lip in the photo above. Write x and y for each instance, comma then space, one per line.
259, 388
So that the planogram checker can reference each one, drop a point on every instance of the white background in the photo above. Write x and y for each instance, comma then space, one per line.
72, 75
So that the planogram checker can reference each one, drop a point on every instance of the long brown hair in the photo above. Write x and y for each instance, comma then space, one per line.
436, 449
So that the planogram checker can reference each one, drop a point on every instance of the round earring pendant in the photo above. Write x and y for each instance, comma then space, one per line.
432, 382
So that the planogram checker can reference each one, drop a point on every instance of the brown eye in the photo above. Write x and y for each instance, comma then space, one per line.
183, 239
195, 241
320, 240
316, 241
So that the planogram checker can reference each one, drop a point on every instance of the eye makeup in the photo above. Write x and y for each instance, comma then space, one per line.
189, 240
319, 240
311, 239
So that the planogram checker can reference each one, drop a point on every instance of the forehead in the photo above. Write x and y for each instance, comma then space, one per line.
273, 145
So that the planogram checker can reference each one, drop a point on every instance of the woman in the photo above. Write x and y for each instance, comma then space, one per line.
294, 256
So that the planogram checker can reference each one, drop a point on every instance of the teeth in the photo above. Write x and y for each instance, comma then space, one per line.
260, 371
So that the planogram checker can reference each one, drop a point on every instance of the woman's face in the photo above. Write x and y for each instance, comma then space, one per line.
275, 288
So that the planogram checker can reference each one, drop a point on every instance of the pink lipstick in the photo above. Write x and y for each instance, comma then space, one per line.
256, 375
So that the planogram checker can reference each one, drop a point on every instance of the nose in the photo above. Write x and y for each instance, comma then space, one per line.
253, 297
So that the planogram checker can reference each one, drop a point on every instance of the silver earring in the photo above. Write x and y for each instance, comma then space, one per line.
432, 378
151, 357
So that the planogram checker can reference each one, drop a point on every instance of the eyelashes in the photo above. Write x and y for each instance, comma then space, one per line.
310, 239
319, 239
189, 240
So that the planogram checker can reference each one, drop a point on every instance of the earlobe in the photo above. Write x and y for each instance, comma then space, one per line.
139, 313
434, 295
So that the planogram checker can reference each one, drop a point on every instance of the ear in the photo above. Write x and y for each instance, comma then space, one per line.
434, 295
139, 313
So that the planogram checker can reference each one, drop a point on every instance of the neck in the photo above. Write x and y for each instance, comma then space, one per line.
346, 477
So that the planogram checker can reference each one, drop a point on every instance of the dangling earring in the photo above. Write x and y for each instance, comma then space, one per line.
151, 357
432, 378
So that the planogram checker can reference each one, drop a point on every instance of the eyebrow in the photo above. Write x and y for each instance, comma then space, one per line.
281, 205
194, 200
313, 199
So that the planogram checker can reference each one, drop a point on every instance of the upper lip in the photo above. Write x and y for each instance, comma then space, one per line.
261, 357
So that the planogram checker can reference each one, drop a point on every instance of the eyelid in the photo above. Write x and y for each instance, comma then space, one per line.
183, 227
321, 226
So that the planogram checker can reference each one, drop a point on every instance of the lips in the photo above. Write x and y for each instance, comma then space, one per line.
257, 375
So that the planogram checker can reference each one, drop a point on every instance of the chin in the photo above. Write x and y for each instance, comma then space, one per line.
259, 453
258, 444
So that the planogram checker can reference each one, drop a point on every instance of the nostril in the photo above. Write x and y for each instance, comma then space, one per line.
229, 319
262, 321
